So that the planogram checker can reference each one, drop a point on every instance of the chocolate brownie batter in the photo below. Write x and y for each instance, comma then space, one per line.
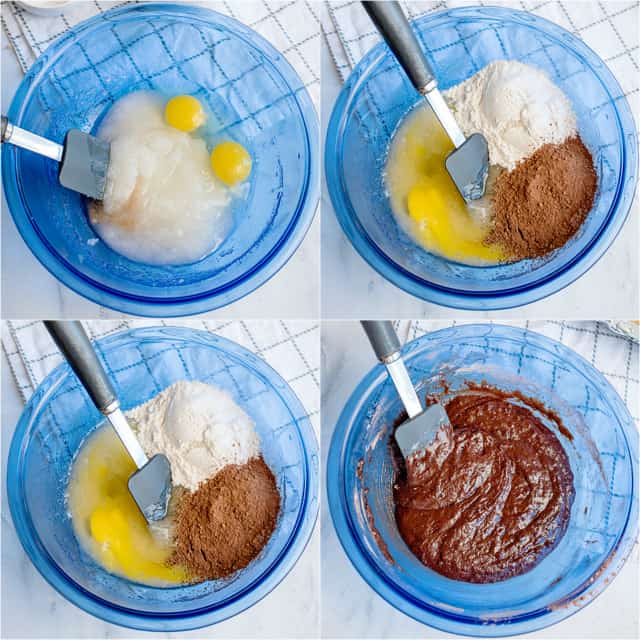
492, 495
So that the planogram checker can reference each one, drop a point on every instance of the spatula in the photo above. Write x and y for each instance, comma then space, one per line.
150, 485
468, 163
84, 160
419, 431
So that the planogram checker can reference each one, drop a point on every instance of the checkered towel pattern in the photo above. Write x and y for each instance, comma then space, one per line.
613, 354
609, 27
290, 347
293, 27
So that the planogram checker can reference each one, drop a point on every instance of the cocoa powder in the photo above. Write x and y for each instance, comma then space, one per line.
223, 525
543, 202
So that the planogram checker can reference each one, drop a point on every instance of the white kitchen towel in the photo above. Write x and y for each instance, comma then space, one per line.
611, 353
291, 27
609, 27
292, 348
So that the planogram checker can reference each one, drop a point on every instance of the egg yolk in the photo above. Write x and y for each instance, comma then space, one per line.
424, 202
427, 206
107, 518
231, 162
121, 532
425, 199
185, 113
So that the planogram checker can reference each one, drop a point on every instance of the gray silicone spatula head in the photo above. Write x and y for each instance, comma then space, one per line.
468, 166
150, 485
84, 164
417, 434
84, 160
468, 163
421, 428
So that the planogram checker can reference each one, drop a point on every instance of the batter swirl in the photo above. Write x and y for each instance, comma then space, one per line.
491, 497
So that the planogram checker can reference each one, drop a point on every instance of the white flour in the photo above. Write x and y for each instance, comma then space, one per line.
516, 107
198, 427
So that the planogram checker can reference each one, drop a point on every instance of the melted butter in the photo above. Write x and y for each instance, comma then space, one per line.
425, 200
106, 519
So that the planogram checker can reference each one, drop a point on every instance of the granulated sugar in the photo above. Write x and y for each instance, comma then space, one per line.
162, 203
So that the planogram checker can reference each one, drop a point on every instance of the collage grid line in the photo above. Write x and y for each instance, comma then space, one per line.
303, 351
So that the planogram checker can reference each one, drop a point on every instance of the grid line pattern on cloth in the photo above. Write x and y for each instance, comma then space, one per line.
609, 28
290, 347
615, 356
292, 26
151, 36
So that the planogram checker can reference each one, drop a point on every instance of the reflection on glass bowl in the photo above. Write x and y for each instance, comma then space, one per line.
603, 454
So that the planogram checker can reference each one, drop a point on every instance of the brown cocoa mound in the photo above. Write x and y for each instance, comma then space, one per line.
543, 202
223, 525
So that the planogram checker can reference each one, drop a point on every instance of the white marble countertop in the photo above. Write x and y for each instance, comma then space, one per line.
353, 289
350, 608
33, 609
30, 291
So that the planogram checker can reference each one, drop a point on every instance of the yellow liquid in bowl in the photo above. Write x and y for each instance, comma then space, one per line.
107, 521
424, 198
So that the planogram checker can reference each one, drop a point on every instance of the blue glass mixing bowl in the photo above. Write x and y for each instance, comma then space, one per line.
603, 454
141, 363
459, 42
254, 95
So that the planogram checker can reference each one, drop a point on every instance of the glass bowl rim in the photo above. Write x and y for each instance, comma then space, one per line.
203, 616
508, 297
241, 286
445, 619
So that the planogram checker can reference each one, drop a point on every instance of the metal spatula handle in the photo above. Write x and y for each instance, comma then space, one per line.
30, 141
386, 346
76, 347
393, 26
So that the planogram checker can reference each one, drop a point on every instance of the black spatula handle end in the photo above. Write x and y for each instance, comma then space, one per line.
394, 27
76, 347
383, 338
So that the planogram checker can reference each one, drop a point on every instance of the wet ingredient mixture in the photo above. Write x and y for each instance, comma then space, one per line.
167, 195
107, 521
492, 498
424, 199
